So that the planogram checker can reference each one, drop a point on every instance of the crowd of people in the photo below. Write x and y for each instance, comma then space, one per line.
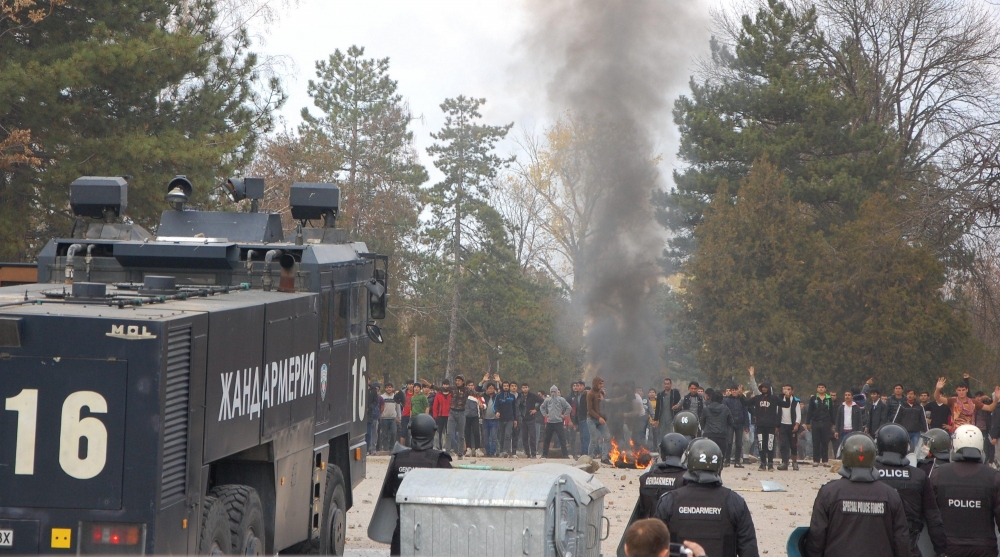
510, 419
908, 461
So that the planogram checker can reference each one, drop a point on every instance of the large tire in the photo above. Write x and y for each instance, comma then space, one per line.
215, 538
245, 518
334, 529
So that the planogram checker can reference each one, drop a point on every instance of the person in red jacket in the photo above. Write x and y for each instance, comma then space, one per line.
440, 410
404, 436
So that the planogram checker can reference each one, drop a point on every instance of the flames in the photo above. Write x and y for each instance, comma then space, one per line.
633, 458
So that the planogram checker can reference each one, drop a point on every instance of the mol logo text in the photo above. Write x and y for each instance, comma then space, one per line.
130, 332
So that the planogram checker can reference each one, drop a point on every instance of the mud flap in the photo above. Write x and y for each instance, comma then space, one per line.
796, 546
631, 519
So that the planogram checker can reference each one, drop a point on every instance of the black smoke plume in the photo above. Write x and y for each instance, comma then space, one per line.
614, 64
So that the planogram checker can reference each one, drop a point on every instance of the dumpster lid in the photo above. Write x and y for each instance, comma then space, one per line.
531, 486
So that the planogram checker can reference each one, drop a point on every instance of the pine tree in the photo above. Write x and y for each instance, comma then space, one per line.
362, 136
770, 96
860, 300
465, 154
147, 89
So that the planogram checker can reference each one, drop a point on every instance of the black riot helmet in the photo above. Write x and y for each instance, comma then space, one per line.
704, 462
422, 429
858, 458
672, 448
892, 439
938, 442
686, 423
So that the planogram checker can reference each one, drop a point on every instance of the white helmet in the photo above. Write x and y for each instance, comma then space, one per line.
967, 437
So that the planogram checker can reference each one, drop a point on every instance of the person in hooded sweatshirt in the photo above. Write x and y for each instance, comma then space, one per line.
717, 420
555, 410
765, 408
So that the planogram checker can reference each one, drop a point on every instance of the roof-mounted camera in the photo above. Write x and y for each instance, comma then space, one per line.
312, 200
243, 188
178, 192
99, 197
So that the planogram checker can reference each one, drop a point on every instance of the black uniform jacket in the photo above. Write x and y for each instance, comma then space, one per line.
858, 518
921, 507
660, 479
968, 495
736, 510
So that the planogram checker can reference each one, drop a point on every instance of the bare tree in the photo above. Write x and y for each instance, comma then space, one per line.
522, 209
560, 173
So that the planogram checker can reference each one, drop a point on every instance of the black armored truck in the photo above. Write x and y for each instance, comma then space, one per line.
200, 390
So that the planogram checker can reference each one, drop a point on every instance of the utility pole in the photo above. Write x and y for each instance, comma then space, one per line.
415, 359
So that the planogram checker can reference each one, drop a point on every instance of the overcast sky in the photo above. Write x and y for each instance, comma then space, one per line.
437, 49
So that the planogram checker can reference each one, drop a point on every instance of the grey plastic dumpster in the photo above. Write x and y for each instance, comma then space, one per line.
477, 513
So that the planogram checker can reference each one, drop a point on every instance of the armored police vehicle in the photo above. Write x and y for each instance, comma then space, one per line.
200, 390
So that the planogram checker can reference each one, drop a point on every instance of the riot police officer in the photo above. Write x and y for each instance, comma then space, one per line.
421, 455
911, 484
666, 475
686, 423
706, 513
968, 494
933, 449
858, 515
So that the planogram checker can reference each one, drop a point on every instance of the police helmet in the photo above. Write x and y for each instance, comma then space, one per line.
422, 429
857, 455
704, 462
937, 440
892, 438
686, 423
672, 448
967, 444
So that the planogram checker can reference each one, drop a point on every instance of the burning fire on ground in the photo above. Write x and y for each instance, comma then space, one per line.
632, 458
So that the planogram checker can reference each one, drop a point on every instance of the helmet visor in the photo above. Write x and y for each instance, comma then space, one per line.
923, 448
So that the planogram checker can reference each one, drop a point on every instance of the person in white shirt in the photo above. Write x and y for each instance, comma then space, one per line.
850, 418
389, 421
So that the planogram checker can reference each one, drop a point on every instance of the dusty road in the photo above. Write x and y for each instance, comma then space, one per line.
774, 514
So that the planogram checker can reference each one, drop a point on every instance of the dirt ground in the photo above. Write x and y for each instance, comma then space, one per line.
775, 515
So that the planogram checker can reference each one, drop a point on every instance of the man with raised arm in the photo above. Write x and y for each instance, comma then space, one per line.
963, 408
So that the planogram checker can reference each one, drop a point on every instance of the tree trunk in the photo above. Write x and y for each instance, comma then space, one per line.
456, 294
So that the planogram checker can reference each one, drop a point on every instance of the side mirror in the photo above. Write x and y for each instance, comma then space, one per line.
377, 295
374, 333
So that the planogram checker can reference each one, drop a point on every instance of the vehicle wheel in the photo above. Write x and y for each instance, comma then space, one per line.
334, 531
215, 537
245, 518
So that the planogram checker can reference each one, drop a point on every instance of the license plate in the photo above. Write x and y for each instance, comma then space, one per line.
6, 538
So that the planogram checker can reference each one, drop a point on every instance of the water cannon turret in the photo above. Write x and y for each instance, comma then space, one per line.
243, 188
312, 200
98, 203
99, 197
